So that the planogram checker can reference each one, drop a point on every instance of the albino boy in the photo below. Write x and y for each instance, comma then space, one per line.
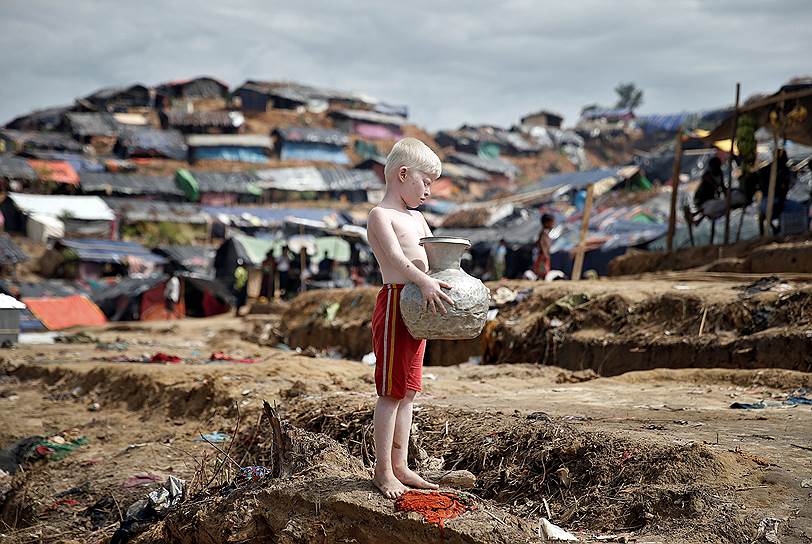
394, 230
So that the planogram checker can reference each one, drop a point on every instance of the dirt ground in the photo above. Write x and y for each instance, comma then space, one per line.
647, 456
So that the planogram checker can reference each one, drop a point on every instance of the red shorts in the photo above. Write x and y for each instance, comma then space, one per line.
398, 355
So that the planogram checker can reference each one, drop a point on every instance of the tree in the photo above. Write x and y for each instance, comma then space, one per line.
628, 96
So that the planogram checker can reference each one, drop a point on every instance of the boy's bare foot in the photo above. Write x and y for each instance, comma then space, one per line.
412, 479
390, 487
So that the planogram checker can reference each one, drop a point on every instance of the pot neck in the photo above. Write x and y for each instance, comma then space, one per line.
444, 255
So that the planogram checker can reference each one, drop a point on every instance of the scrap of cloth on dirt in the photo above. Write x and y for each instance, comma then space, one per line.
435, 507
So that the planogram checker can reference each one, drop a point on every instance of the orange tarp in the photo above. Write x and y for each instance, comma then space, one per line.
61, 313
58, 171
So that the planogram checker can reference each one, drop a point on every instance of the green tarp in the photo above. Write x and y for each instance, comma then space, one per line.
187, 183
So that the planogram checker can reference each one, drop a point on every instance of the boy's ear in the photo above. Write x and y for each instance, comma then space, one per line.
402, 173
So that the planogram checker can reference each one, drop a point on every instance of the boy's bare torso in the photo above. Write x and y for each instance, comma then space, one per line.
409, 227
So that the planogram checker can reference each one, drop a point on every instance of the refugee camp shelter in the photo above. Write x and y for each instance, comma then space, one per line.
10, 310
45, 120
41, 217
218, 188
139, 299
369, 124
15, 171
120, 99
80, 163
88, 127
204, 122
189, 258
376, 164
148, 142
135, 211
543, 118
229, 147
308, 182
55, 176
53, 304
16, 141
264, 95
311, 144
199, 88
92, 259
252, 251
131, 185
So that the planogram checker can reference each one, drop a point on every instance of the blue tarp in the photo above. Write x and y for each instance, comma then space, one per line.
227, 153
110, 251
313, 152
275, 216
574, 179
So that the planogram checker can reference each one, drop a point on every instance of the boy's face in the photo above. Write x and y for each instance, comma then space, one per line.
415, 186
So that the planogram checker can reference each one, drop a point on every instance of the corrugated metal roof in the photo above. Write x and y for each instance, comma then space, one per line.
463, 171
25, 140
202, 119
110, 251
229, 140
226, 182
92, 124
494, 166
57, 171
137, 210
10, 253
128, 184
13, 167
370, 117
305, 178
343, 179
88, 208
148, 141
312, 135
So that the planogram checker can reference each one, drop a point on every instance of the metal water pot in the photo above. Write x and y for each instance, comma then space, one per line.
467, 317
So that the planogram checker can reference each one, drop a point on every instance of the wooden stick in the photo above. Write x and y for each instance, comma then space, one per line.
702, 323
672, 216
578, 264
728, 195
773, 176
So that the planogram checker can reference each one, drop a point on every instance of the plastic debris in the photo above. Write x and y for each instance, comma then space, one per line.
554, 533
436, 507
369, 358
806, 483
749, 405
141, 478
768, 531
161, 357
55, 448
220, 356
143, 513
215, 437
253, 474
331, 311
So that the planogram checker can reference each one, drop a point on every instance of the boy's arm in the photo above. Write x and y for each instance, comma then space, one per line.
380, 227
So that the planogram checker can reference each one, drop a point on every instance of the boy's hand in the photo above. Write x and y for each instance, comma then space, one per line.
434, 296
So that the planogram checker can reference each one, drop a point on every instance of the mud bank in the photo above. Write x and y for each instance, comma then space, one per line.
610, 327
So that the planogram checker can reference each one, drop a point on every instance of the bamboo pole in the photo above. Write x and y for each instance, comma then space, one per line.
672, 216
729, 188
578, 264
773, 173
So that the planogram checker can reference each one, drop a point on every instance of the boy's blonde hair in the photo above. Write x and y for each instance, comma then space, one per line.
412, 153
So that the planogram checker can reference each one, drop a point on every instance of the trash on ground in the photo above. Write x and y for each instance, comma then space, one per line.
768, 531
76, 338
215, 437
550, 531
436, 507
141, 478
143, 513
161, 357
220, 356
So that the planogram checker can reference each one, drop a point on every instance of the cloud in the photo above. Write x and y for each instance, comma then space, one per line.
451, 62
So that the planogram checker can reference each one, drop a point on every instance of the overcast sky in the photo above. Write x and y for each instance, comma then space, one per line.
475, 61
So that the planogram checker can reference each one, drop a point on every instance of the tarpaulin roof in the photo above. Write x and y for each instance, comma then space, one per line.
137, 210
148, 141
344, 179
274, 216
41, 140
307, 178
61, 313
190, 257
110, 251
312, 135
92, 124
126, 287
494, 166
463, 171
44, 288
57, 171
10, 253
370, 117
10, 303
574, 180
244, 183
128, 184
88, 208
13, 167
79, 162
229, 140
254, 250
44, 119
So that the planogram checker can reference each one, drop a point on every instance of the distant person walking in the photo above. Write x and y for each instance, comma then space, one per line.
499, 259
240, 286
172, 295
542, 264
283, 267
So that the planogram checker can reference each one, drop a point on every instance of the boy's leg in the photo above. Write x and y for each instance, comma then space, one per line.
386, 411
400, 445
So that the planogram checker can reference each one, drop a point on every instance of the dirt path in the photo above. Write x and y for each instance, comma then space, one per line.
150, 416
